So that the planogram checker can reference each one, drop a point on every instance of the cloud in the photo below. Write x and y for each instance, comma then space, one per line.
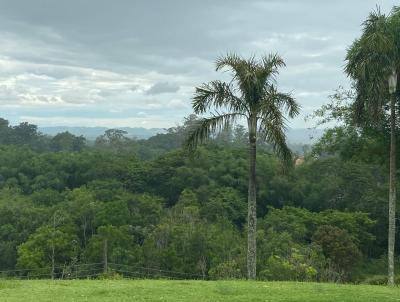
40, 99
95, 62
162, 87
177, 104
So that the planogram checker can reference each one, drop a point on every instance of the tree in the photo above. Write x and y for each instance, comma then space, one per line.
48, 246
337, 245
113, 139
251, 95
19, 219
370, 61
110, 243
66, 141
4, 131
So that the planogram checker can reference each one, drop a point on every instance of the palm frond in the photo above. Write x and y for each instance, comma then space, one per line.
370, 59
243, 72
235, 63
395, 10
251, 76
269, 67
352, 68
202, 129
281, 100
219, 95
273, 131
265, 74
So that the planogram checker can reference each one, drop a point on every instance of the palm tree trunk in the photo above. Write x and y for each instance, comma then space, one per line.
392, 192
251, 202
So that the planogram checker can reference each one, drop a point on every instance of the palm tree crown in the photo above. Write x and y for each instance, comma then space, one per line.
371, 59
250, 95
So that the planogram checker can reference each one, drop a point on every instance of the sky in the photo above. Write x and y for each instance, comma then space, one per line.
133, 63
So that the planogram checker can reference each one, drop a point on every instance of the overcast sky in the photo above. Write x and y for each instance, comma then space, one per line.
135, 63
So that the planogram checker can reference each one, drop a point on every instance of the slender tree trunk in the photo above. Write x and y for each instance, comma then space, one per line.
84, 232
105, 256
392, 192
52, 261
252, 205
53, 252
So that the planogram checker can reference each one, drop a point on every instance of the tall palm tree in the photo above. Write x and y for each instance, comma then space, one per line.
252, 96
370, 61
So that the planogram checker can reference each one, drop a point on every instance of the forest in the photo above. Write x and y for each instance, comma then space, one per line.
157, 206
223, 195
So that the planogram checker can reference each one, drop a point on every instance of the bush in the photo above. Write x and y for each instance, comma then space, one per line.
110, 275
337, 245
226, 270
298, 265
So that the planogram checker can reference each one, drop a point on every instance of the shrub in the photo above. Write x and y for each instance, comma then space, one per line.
110, 275
226, 270
337, 245
299, 265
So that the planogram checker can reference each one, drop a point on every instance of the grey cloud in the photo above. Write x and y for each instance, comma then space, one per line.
162, 87
107, 55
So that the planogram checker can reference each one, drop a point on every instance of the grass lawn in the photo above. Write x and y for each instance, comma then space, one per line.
163, 290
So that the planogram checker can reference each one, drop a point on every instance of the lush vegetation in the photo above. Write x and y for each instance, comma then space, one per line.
158, 290
170, 210
67, 205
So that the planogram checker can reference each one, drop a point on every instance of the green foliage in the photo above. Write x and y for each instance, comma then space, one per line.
225, 203
120, 245
66, 141
19, 219
295, 266
370, 61
110, 275
340, 237
44, 244
177, 213
226, 270
174, 213
337, 245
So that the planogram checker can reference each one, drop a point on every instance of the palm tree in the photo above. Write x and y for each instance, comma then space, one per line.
370, 61
252, 96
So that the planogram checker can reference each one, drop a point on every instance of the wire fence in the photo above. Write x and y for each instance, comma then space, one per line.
98, 270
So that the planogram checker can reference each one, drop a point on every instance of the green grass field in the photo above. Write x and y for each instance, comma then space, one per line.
160, 290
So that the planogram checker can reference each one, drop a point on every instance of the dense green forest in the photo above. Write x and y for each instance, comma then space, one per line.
157, 206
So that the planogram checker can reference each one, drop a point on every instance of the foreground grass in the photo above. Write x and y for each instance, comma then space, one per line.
163, 290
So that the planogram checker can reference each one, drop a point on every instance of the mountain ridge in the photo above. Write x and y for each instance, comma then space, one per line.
294, 135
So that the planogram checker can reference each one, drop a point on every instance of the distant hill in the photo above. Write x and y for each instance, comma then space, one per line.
93, 132
304, 135
295, 136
